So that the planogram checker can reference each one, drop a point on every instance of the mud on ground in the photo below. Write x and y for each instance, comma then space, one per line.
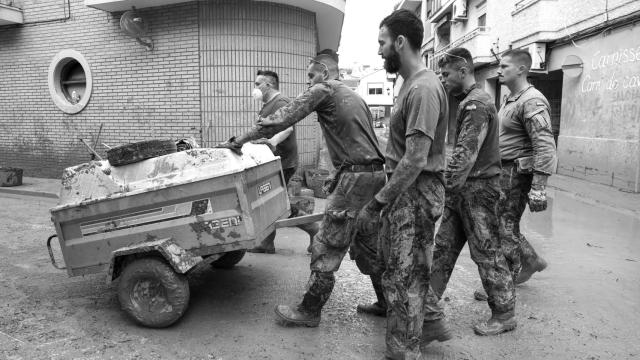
584, 306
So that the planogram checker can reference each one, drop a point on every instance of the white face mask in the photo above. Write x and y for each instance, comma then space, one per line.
257, 94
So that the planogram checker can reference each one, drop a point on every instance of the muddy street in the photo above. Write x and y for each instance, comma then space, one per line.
584, 306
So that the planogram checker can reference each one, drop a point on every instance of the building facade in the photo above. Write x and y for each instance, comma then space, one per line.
586, 61
377, 90
72, 67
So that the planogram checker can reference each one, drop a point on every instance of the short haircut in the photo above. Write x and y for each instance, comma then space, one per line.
404, 22
331, 53
457, 56
520, 56
329, 58
273, 75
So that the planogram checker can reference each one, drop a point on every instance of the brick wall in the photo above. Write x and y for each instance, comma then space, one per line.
137, 94
237, 38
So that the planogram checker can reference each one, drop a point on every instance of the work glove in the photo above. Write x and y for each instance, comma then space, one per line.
537, 199
368, 219
265, 141
232, 145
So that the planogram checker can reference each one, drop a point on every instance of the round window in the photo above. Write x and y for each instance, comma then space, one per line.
70, 81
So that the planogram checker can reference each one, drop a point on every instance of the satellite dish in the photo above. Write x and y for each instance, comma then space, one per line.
135, 26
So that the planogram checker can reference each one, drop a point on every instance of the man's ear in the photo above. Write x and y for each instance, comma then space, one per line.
400, 41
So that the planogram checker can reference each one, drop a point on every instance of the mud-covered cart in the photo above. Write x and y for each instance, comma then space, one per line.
150, 222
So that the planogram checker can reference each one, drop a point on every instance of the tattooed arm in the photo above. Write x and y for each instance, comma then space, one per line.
408, 169
287, 115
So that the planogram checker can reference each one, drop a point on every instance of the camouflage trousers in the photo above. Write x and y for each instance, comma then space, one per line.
336, 235
515, 189
406, 242
470, 216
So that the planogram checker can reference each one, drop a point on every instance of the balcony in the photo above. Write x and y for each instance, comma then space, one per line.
329, 13
411, 5
440, 8
10, 15
478, 42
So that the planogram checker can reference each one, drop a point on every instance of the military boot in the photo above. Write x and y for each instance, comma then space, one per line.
529, 269
435, 330
297, 316
495, 326
305, 314
378, 308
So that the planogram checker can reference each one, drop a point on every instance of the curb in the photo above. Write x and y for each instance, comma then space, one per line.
28, 192
595, 202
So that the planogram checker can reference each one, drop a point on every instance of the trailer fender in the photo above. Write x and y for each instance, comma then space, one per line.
180, 260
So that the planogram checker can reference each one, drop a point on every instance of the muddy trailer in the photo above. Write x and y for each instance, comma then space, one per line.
151, 222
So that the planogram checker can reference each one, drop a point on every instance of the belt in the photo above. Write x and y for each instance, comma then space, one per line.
363, 168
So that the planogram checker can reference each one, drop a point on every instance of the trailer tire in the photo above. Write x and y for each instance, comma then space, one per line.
228, 260
152, 293
138, 151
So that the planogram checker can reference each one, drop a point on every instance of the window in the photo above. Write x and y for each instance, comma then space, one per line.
70, 81
482, 20
375, 88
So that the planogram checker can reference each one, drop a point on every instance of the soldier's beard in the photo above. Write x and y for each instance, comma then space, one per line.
392, 62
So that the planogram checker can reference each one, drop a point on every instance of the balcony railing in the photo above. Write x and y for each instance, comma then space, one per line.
477, 42
9, 14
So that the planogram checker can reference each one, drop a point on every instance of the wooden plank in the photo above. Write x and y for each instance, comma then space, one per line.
306, 219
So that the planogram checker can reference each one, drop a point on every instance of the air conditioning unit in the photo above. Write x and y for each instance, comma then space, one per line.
459, 10
538, 53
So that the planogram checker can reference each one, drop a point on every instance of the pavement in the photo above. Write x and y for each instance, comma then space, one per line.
583, 306
596, 194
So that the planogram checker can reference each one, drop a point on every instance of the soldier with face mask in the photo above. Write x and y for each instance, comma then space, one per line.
347, 125
283, 144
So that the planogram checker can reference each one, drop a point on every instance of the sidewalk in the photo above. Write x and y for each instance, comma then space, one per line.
616, 200
35, 187
597, 194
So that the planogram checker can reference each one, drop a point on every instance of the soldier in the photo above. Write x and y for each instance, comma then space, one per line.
283, 144
347, 126
412, 201
472, 196
528, 154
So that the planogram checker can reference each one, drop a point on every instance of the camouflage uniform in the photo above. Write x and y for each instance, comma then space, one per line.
347, 126
525, 130
405, 248
470, 215
408, 219
336, 234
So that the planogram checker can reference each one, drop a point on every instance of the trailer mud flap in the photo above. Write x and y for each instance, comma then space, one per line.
180, 260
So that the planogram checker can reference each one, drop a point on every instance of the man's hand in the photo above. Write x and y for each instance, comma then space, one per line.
265, 141
232, 145
537, 199
368, 218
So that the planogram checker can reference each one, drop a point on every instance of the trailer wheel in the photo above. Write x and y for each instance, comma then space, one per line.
152, 293
138, 151
228, 260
